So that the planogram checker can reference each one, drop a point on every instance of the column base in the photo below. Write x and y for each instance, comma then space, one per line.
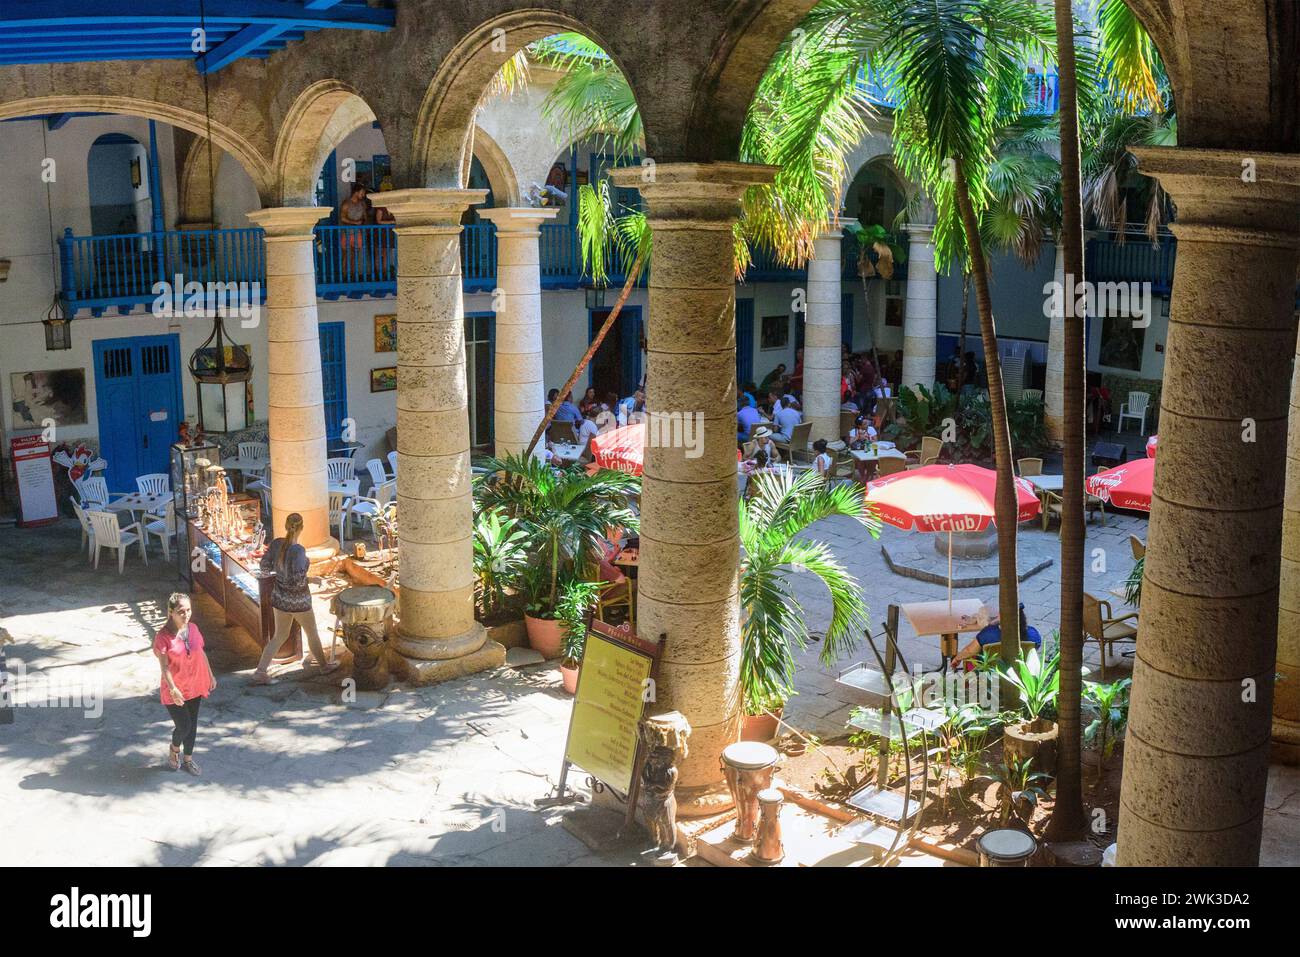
1285, 747
426, 671
440, 649
322, 552
704, 801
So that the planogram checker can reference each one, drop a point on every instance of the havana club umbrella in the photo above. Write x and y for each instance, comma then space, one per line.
621, 449
1125, 486
946, 498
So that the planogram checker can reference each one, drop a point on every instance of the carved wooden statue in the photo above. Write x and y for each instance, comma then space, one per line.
665, 739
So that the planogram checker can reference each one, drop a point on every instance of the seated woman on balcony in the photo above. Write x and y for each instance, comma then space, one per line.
354, 211
385, 242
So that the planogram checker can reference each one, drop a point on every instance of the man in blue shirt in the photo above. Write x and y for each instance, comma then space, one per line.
746, 418
567, 412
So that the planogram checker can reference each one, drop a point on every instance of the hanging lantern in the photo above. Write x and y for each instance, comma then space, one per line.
58, 328
223, 373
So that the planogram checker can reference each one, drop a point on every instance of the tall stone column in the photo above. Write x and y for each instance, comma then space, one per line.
519, 401
1197, 748
1286, 699
921, 309
822, 337
295, 413
1054, 391
437, 634
688, 588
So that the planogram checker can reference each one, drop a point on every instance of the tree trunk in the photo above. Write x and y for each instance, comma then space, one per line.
1069, 822
961, 339
633, 275
1004, 498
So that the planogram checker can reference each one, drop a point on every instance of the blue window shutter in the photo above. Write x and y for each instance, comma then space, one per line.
846, 319
744, 341
334, 382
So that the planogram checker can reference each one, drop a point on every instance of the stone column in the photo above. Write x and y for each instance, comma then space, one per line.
295, 414
437, 634
1286, 699
519, 401
822, 337
1054, 392
690, 547
1197, 747
920, 311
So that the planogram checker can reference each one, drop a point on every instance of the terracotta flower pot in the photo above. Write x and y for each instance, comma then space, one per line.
570, 677
759, 727
544, 635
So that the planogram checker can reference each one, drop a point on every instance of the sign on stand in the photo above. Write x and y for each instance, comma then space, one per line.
615, 684
34, 472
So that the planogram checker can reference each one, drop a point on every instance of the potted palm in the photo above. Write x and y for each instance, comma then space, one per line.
577, 599
1037, 678
773, 623
566, 515
500, 559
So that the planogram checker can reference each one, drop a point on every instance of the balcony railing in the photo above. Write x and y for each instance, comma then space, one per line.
104, 272
1134, 259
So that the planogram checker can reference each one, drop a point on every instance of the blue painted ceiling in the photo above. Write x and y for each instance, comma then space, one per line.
211, 33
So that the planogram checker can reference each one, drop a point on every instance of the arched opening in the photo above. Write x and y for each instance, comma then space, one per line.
318, 123
120, 185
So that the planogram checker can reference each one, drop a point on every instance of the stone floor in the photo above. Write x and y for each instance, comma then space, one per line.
437, 776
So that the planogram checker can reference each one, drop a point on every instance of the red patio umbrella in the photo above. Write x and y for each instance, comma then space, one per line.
621, 449
1125, 486
1151, 446
946, 498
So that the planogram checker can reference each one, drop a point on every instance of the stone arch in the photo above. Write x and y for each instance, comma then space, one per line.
321, 116
196, 182
444, 121
505, 181
258, 169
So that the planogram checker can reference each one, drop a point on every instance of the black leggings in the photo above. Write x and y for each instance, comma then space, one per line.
186, 719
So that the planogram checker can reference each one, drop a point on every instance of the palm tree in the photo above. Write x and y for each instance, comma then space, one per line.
566, 514
771, 522
958, 69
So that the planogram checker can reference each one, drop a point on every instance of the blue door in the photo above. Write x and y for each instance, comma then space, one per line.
333, 377
744, 342
616, 366
138, 396
846, 319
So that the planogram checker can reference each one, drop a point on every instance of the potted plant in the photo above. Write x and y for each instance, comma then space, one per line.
773, 626
1111, 702
566, 515
1038, 680
500, 558
1017, 789
577, 601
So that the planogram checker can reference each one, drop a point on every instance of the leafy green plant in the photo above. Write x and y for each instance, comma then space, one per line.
565, 513
1133, 584
1038, 680
577, 599
500, 557
1111, 702
1018, 789
773, 626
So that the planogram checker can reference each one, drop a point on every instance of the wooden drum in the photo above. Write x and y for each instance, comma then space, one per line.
748, 767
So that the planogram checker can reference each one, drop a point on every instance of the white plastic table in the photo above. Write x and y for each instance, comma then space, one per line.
135, 502
1046, 483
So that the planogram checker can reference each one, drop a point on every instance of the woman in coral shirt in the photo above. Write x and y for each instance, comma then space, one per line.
186, 678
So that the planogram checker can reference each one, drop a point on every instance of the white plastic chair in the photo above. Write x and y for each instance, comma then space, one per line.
93, 492
1135, 408
392, 464
377, 475
339, 510
259, 451
164, 528
340, 470
108, 534
87, 530
155, 483
262, 486
370, 507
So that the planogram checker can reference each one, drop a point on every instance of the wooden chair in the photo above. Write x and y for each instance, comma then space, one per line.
846, 422
1138, 546
798, 444
928, 454
616, 596
890, 465
1092, 503
1101, 625
1029, 466
1052, 507
109, 534
561, 432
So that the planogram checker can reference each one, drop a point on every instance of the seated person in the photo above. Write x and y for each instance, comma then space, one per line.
787, 418
607, 417
859, 439
824, 460
992, 634
761, 441
638, 413
748, 391
586, 430
746, 418
567, 412
773, 379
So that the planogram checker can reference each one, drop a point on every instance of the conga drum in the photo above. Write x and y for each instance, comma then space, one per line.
1006, 847
748, 767
363, 612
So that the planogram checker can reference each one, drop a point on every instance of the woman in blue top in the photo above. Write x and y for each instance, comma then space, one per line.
290, 598
991, 634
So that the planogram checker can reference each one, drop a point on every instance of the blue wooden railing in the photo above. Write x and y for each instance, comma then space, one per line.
1135, 259
103, 272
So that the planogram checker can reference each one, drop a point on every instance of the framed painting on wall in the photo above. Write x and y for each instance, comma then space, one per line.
775, 332
386, 333
58, 394
383, 380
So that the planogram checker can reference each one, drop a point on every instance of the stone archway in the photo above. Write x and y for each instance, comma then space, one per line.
321, 116
500, 172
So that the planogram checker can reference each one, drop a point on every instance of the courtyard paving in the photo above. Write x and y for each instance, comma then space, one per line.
444, 775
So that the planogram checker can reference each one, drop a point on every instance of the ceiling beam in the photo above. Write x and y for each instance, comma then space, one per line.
72, 13
249, 39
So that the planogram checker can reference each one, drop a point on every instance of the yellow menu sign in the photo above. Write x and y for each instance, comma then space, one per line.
607, 709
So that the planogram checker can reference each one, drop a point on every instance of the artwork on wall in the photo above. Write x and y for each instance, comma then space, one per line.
382, 171
383, 380
386, 333
58, 394
775, 333
1121, 343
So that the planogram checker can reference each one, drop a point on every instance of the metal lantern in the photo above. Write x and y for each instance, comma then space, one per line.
58, 329
223, 372
595, 296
